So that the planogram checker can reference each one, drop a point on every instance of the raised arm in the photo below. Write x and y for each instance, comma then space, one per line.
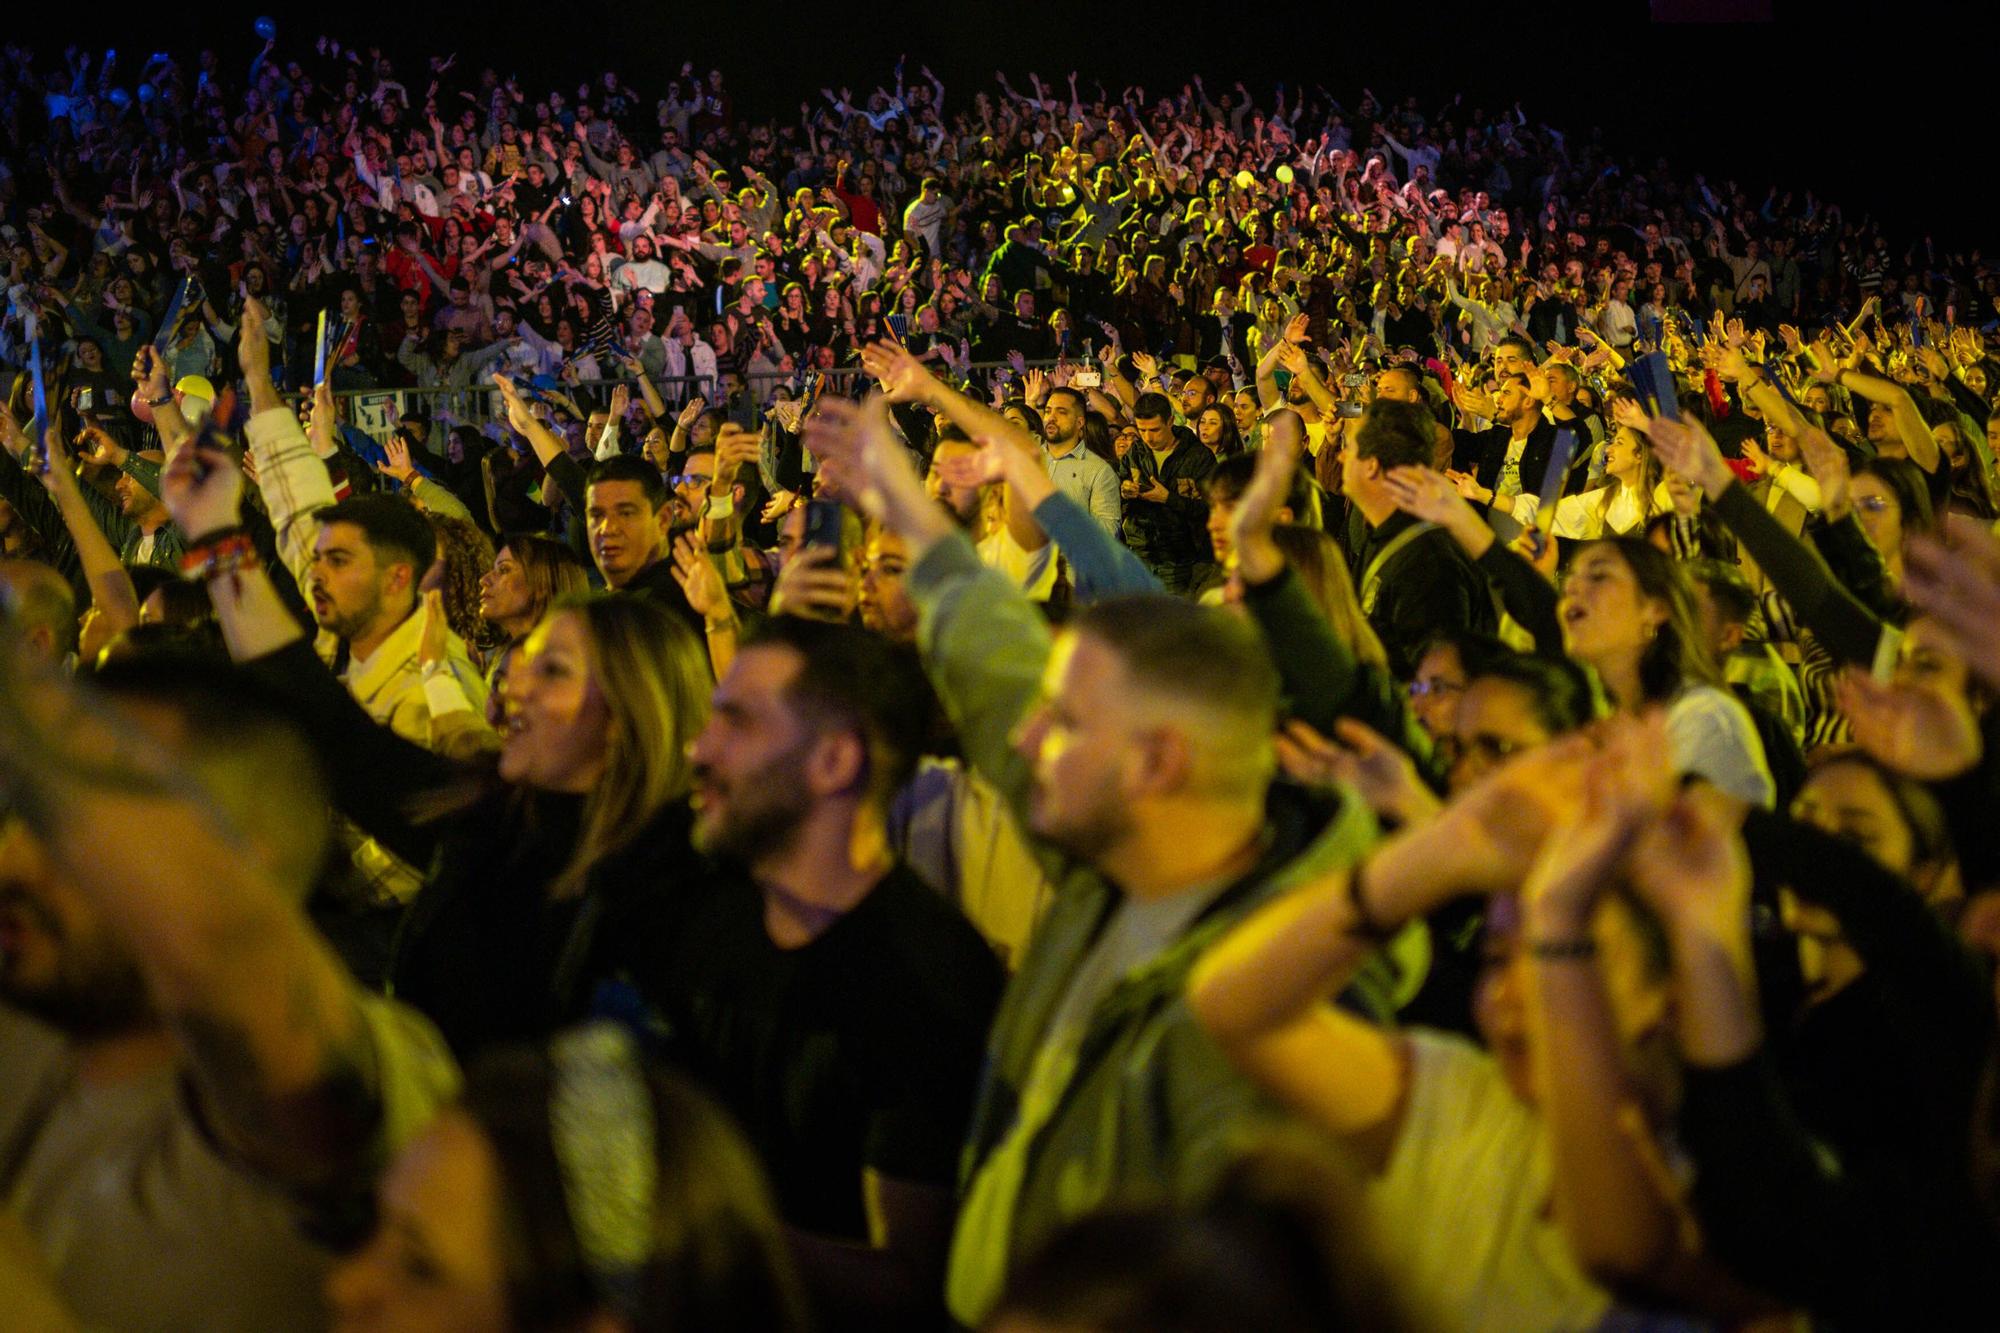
985, 645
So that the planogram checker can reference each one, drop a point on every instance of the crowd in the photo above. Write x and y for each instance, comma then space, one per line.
1059, 709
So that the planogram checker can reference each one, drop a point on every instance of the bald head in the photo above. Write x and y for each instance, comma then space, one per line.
38, 602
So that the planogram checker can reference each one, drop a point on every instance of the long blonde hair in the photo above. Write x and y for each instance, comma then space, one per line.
1317, 559
653, 674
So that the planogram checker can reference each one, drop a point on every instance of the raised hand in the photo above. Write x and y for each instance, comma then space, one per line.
396, 460
253, 343
1381, 771
202, 488
518, 414
689, 414
700, 580
902, 377
1687, 448
813, 585
1827, 462
1924, 731
434, 632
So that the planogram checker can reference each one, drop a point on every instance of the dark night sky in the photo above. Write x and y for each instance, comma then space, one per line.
1726, 99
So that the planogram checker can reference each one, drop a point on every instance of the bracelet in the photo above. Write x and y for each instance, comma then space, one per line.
162, 400
1573, 950
1365, 924
719, 506
226, 552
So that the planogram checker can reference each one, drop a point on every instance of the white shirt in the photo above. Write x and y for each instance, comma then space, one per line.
1461, 1209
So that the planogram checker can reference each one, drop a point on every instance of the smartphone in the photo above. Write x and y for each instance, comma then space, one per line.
86, 399
1087, 379
1353, 380
1349, 410
823, 523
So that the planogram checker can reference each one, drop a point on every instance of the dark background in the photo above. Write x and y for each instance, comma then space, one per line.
1884, 108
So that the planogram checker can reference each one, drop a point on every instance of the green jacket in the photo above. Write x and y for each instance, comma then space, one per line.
1153, 1104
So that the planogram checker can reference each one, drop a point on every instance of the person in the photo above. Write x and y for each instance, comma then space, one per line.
1413, 582
192, 1080
529, 574
1165, 518
833, 1002
589, 792
1627, 612
1083, 476
496, 1218
1138, 751
1555, 1118
1280, 1244
358, 561
623, 504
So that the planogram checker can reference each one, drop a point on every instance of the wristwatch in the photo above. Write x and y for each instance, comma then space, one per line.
162, 400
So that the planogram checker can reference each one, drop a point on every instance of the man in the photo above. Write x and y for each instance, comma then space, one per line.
1080, 474
835, 1003
1493, 466
1413, 581
41, 606
1166, 517
628, 523
1138, 752
359, 561
924, 219
186, 1066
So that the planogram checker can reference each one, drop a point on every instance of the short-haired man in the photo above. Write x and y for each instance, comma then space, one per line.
1413, 581
1508, 459
836, 1004
1166, 518
1137, 750
359, 562
1077, 472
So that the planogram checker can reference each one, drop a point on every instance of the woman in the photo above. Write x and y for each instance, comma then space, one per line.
1621, 507
1627, 612
1891, 502
492, 1220
543, 866
1215, 427
529, 574
1894, 819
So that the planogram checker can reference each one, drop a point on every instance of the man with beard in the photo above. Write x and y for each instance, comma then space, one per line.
359, 562
1080, 474
1137, 750
834, 1003
144, 1125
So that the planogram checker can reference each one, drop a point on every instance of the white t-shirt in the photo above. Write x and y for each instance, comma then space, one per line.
1033, 572
1462, 1210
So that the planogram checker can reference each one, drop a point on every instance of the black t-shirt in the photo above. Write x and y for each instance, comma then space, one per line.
861, 1049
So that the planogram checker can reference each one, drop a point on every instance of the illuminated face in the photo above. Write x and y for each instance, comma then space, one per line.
1495, 719
1879, 512
750, 790
885, 604
1079, 744
348, 586
1156, 433
625, 530
504, 595
1605, 617
1436, 688
557, 722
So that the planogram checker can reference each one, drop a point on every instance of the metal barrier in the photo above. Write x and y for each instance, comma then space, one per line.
376, 412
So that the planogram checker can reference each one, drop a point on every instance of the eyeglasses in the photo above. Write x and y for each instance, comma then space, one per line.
1874, 504
1434, 687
